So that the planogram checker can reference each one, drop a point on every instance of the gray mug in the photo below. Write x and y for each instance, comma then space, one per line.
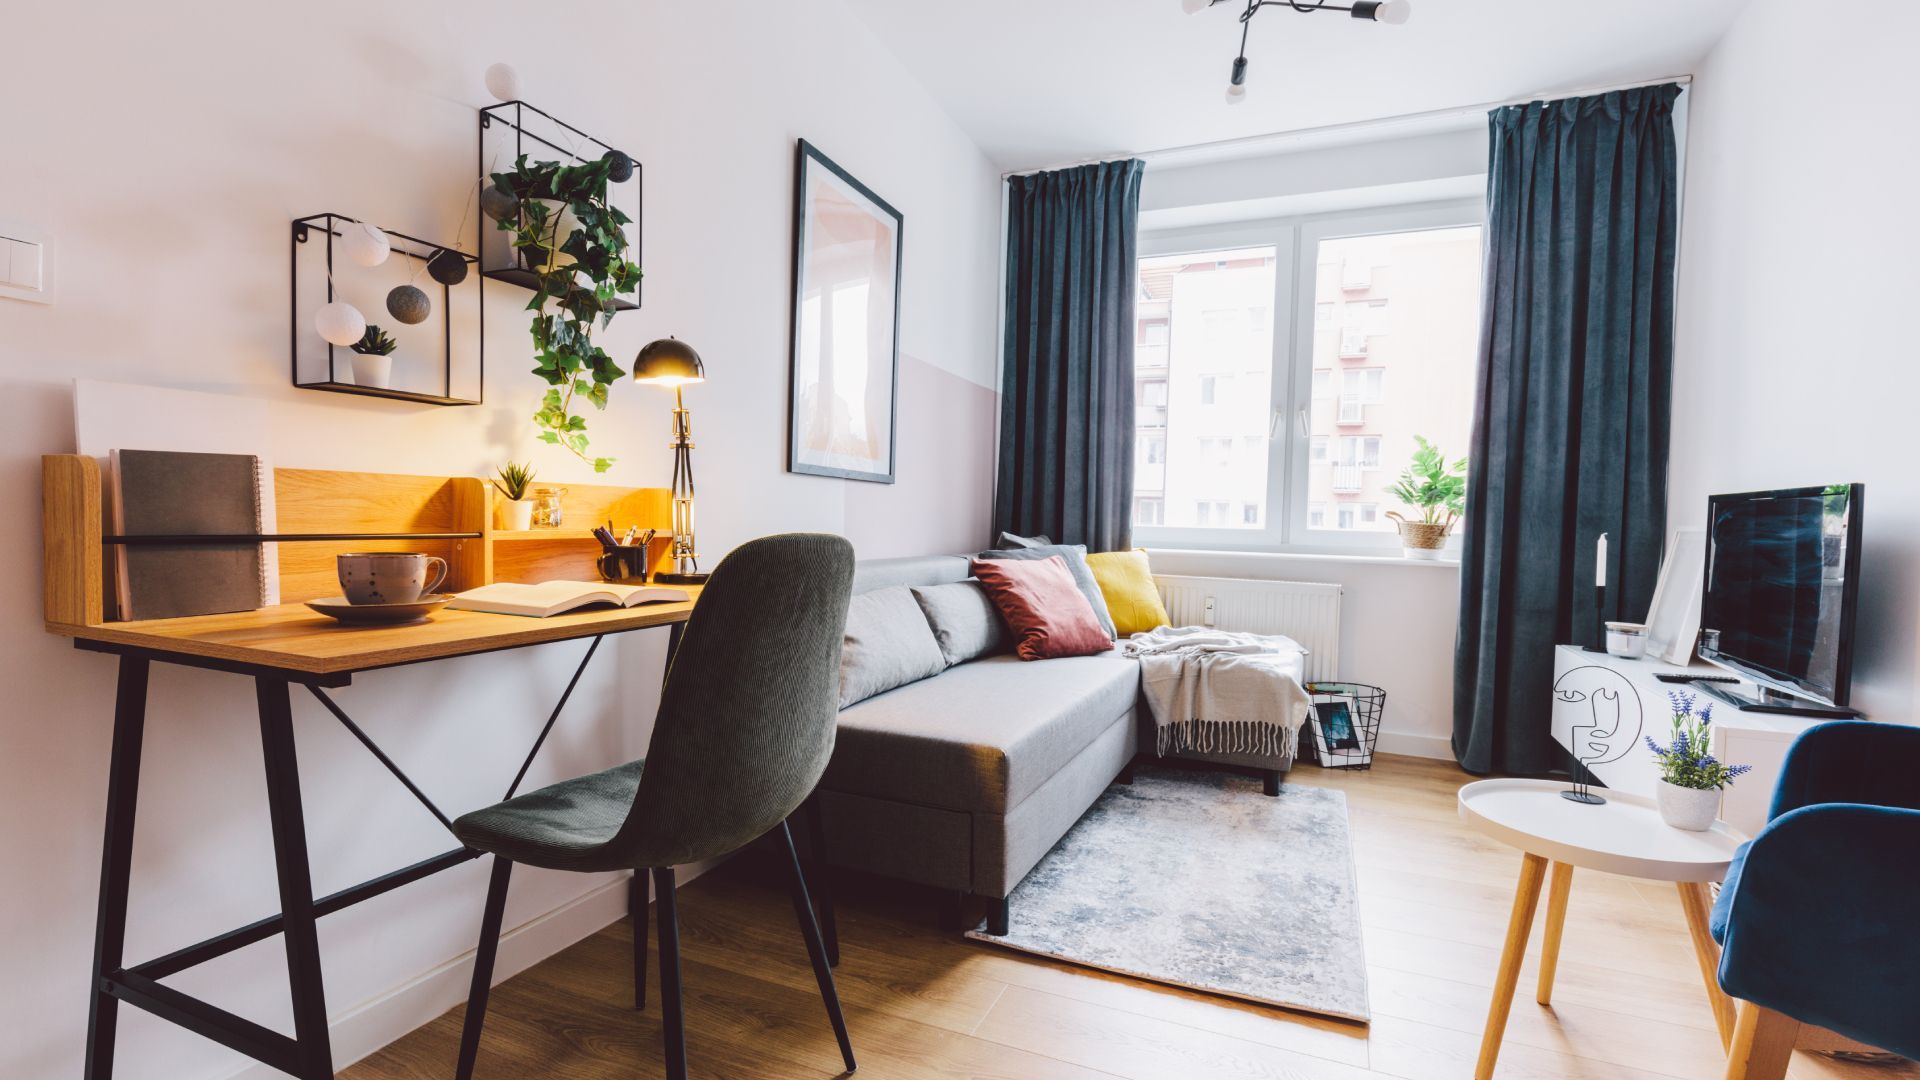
388, 577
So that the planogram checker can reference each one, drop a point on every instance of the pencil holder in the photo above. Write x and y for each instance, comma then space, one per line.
624, 565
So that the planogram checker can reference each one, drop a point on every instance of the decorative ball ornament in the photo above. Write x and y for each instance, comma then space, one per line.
365, 244
408, 304
498, 203
340, 323
622, 170
447, 267
503, 82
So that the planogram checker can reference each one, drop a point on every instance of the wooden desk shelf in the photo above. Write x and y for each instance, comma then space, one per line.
448, 516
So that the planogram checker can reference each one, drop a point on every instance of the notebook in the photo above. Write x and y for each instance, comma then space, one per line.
167, 492
553, 597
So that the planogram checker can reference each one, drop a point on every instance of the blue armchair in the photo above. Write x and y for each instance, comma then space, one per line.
1820, 915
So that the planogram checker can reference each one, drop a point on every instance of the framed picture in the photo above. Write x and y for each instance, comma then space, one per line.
1335, 741
1673, 622
846, 324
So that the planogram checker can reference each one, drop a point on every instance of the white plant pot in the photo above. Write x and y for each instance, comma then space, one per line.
375, 371
1423, 554
1692, 809
514, 515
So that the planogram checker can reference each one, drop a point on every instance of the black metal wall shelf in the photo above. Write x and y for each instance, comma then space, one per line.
326, 277
512, 128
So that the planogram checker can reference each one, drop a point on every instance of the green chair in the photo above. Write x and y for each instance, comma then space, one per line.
745, 728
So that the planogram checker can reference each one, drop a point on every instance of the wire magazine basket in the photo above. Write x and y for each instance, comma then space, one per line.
1345, 725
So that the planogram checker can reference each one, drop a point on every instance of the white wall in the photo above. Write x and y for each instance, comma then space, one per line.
1798, 274
167, 150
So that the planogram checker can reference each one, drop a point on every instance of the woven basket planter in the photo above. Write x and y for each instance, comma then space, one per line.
1420, 540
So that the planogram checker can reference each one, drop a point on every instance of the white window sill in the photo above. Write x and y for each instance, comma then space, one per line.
1448, 560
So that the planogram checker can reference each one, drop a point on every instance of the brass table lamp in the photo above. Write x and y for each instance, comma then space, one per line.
670, 362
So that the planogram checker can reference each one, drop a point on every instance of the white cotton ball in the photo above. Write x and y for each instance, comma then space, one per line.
503, 82
365, 244
340, 323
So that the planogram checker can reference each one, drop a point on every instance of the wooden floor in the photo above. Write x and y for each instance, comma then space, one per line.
1434, 898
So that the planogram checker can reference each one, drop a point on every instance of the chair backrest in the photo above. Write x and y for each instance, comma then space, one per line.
746, 720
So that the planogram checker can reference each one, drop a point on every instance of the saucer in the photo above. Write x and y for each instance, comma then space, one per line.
412, 611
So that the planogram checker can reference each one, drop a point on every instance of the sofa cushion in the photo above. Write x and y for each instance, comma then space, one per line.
981, 736
1075, 556
964, 620
1126, 582
888, 643
1043, 607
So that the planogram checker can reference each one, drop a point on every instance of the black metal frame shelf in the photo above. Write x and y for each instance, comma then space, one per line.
498, 260
328, 223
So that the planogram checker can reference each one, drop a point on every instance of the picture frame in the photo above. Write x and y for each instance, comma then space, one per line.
1673, 619
844, 361
1336, 741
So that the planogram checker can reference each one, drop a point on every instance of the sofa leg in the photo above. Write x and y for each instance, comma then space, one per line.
953, 909
999, 910
1126, 773
1270, 779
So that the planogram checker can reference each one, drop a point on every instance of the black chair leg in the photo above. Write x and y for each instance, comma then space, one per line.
483, 967
1271, 781
637, 911
673, 1027
999, 914
816, 952
822, 887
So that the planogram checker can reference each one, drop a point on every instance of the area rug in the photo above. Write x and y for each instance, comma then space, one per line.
1196, 879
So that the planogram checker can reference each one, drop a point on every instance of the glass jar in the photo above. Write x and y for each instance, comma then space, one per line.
546, 507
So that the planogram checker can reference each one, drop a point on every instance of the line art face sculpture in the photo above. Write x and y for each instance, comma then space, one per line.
1606, 730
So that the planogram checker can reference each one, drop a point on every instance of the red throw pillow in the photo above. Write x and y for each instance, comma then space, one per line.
1049, 614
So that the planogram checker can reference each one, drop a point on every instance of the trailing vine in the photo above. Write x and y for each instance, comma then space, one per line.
577, 276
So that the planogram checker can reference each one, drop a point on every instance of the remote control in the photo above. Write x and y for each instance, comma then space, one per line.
1683, 677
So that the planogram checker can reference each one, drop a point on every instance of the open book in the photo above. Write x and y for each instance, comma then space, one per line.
554, 597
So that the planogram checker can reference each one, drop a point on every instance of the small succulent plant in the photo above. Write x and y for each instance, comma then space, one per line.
514, 479
375, 342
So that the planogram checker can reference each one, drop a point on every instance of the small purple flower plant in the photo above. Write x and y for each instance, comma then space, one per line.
1688, 760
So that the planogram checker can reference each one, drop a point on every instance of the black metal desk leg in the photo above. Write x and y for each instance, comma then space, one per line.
296, 886
674, 632
116, 862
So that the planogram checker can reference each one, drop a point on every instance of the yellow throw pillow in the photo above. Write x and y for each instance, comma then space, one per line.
1127, 583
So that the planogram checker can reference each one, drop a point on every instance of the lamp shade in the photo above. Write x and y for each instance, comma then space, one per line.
668, 362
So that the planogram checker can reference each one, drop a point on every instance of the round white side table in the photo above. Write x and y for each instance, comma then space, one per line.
1623, 836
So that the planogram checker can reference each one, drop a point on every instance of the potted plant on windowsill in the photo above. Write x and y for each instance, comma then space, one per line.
373, 358
1691, 778
516, 513
1438, 492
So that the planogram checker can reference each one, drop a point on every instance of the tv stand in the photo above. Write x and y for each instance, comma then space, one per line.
1767, 701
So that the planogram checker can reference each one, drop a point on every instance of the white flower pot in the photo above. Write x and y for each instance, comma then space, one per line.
1692, 809
368, 370
514, 515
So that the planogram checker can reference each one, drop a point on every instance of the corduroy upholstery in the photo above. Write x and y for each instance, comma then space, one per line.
744, 731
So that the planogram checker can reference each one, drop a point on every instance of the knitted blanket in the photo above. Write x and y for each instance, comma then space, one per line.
1222, 692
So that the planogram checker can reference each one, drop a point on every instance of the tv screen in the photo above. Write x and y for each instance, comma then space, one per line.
1782, 579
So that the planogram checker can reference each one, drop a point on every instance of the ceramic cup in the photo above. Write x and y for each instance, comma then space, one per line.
389, 577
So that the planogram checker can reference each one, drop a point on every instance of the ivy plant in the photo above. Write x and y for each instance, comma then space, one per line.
572, 295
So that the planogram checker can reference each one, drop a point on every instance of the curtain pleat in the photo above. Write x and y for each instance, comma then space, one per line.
1571, 415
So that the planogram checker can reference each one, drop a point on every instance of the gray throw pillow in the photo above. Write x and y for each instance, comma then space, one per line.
888, 644
1009, 540
964, 620
1075, 556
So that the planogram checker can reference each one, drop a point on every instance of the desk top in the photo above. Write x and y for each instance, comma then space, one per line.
1623, 836
296, 639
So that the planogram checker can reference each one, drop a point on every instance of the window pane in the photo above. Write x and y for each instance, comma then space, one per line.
1203, 393
1407, 304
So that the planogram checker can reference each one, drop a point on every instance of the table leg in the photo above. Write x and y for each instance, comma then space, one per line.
1695, 901
1559, 886
1526, 898
116, 862
298, 927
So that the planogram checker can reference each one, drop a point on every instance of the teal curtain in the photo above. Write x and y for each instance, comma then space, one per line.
1570, 429
1066, 405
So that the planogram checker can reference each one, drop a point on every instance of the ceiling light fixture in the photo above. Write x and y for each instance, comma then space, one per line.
1392, 12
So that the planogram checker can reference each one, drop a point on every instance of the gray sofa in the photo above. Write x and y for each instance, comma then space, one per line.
964, 780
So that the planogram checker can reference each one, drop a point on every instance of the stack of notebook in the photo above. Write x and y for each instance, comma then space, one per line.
171, 493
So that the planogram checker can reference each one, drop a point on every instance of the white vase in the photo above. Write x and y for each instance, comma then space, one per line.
1692, 809
369, 370
515, 515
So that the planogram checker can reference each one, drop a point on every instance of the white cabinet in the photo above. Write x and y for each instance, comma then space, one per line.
1606, 702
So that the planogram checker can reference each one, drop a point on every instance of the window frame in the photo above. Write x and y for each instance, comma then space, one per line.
1296, 241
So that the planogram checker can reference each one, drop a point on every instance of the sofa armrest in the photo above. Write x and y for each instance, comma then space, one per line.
1851, 761
1822, 924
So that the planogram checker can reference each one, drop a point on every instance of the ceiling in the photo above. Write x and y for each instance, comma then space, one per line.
1043, 82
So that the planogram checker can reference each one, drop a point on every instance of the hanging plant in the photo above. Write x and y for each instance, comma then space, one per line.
569, 236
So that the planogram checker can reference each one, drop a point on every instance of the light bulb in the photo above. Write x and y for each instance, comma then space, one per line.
1236, 93
340, 323
1394, 12
1195, 7
365, 244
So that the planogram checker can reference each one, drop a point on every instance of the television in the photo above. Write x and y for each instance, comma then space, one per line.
1781, 585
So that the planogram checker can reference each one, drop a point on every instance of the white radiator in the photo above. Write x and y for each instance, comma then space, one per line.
1306, 611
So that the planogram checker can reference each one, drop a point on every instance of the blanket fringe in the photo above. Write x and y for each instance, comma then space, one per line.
1254, 737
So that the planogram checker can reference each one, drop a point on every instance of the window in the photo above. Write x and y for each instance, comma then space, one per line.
1250, 403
